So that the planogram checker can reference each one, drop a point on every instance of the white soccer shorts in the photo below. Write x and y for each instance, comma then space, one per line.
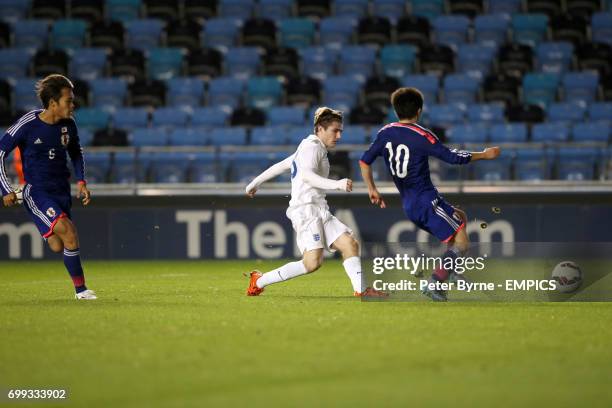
315, 227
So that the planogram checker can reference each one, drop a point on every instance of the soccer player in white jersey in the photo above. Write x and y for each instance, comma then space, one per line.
316, 228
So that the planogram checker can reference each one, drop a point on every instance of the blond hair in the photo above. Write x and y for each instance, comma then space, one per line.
324, 116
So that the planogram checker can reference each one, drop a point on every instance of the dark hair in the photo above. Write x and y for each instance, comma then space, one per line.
324, 116
407, 102
51, 87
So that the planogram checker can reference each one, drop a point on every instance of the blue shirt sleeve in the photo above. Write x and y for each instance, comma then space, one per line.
75, 151
375, 149
7, 144
451, 156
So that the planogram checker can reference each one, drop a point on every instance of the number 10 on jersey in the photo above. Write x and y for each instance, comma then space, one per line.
399, 168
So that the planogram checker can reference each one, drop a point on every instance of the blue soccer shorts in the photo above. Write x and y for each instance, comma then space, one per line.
45, 208
437, 217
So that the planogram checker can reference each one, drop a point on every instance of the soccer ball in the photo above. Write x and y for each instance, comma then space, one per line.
568, 276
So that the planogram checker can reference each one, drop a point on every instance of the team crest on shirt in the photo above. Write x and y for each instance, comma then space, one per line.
50, 212
65, 137
316, 237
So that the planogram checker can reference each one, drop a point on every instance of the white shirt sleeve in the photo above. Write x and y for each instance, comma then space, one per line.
308, 161
273, 171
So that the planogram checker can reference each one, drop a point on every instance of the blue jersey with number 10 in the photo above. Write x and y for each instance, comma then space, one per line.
406, 147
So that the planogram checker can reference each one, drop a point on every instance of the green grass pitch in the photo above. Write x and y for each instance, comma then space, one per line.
183, 334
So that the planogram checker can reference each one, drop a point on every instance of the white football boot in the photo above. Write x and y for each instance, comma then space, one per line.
86, 294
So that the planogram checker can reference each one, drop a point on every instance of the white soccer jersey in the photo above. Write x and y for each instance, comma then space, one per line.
310, 157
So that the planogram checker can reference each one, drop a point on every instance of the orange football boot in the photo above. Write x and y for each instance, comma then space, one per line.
371, 292
253, 290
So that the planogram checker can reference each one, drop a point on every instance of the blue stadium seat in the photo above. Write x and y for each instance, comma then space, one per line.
68, 34
286, 115
508, 7
445, 115
92, 118
275, 9
550, 132
228, 136
428, 84
31, 34
204, 168
244, 165
336, 32
577, 163
491, 29
601, 27
185, 91
391, 9
298, 133
88, 63
531, 164
145, 136
318, 62
566, 112
351, 8
580, 86
269, 135
471, 133
357, 60
397, 61
353, 134
14, 10
14, 62
475, 59
85, 136
460, 88
168, 118
341, 92
122, 10
98, 167
427, 8
242, 62
169, 167
242, 9
486, 112
165, 63
225, 92
24, 97
554, 56
600, 111
591, 132
108, 92
296, 32
209, 116
508, 133
129, 118
264, 92
529, 29
540, 88
451, 30
144, 33
494, 170
221, 33
188, 137
126, 169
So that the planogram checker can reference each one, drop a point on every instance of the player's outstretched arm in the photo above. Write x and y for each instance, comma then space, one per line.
375, 197
323, 183
275, 170
490, 153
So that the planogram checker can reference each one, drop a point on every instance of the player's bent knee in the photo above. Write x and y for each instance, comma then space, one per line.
312, 263
55, 244
66, 231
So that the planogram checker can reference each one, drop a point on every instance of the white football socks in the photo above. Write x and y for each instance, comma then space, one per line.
352, 266
285, 272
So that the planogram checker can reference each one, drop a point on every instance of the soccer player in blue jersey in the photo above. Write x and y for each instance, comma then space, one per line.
45, 137
405, 147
